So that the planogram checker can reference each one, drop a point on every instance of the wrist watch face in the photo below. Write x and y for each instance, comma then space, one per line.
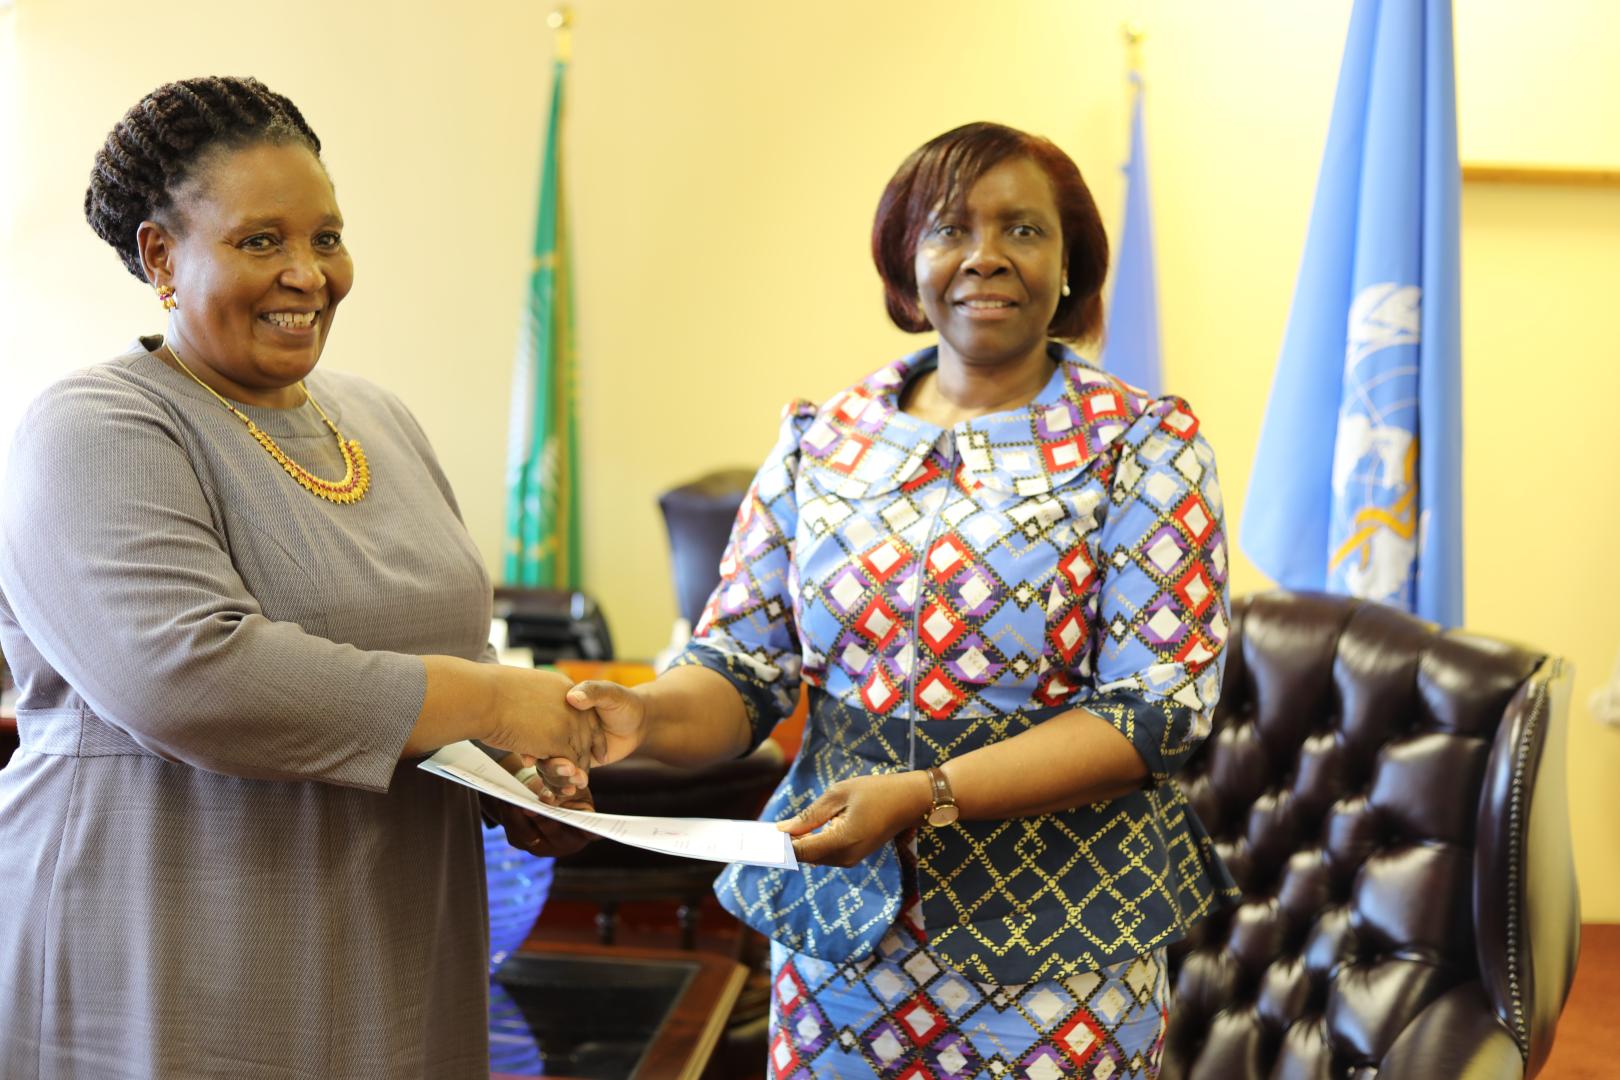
944, 811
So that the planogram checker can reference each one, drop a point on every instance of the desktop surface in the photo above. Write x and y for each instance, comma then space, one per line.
602, 1013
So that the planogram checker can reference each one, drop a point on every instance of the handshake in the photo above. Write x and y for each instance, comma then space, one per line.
555, 732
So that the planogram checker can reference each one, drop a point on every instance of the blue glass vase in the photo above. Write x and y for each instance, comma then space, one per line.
513, 1047
518, 883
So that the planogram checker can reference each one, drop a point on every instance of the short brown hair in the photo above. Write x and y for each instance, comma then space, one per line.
940, 172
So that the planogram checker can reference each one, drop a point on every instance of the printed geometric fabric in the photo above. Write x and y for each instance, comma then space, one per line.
832, 912
1036, 897
1070, 552
899, 1015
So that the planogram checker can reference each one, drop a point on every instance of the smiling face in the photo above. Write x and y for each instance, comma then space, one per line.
258, 266
990, 270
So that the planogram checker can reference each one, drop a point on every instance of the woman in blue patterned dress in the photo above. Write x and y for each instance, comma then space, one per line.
1000, 573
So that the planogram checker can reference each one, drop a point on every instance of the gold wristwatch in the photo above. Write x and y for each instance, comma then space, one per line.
944, 810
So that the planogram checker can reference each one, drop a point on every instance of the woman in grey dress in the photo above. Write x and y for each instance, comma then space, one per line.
238, 599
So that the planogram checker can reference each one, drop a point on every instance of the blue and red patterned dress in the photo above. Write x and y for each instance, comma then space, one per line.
937, 590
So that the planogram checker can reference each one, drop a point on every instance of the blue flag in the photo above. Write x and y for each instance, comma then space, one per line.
1357, 481
1132, 348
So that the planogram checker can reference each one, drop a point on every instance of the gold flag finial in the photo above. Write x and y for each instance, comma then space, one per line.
1133, 34
561, 20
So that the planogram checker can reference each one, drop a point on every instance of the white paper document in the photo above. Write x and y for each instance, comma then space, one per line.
757, 843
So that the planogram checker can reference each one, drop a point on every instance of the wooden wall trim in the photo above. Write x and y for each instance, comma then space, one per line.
1557, 175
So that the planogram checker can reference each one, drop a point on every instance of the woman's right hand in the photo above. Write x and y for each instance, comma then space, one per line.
530, 715
620, 714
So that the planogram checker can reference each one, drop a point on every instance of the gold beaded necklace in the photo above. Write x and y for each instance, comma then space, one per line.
356, 473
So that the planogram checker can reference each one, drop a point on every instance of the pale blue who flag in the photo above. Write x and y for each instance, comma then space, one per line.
1357, 481
1131, 351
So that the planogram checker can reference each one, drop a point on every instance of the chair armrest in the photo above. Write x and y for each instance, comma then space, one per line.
1457, 1036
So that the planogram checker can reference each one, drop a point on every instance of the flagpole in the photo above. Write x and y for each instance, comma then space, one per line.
567, 571
561, 20
1131, 349
1133, 34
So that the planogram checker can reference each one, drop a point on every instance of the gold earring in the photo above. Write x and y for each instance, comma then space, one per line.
165, 294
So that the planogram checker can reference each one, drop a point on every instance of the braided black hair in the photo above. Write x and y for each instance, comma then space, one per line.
159, 143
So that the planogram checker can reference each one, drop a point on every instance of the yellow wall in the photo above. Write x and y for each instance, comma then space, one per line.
725, 157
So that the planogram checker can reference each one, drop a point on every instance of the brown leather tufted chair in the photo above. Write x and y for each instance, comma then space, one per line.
1391, 800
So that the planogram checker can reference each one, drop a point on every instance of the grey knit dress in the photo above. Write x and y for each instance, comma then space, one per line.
212, 863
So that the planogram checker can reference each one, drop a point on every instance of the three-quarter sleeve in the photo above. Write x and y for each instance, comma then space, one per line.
748, 631
119, 572
1162, 610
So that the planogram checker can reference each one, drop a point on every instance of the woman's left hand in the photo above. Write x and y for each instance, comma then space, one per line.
540, 835
855, 817
536, 833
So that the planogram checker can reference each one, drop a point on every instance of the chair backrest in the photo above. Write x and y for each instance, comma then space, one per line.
698, 516
1390, 798
605, 874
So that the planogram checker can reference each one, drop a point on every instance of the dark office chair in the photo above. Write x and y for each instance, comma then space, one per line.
698, 516
607, 874
1391, 799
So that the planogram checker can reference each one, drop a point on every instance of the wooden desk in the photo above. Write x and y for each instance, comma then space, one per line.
593, 1009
